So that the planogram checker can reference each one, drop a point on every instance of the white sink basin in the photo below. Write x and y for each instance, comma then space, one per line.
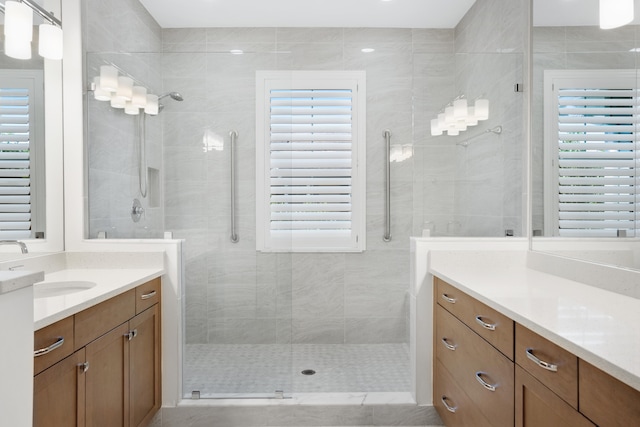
55, 289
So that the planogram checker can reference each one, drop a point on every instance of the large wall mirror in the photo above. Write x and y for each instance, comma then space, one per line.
584, 134
31, 149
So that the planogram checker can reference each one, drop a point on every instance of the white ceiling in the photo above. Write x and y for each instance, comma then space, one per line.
308, 13
352, 13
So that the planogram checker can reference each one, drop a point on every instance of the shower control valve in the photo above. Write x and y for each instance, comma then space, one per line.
137, 210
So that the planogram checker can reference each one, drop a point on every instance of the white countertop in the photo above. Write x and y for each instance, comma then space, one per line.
14, 280
598, 326
109, 283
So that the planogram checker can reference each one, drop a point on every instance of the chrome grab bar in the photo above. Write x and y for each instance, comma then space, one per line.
234, 236
387, 171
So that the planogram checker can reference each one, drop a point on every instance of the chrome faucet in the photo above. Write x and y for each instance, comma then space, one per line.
22, 245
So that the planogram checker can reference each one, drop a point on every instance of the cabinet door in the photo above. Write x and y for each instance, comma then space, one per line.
144, 357
107, 380
59, 393
537, 406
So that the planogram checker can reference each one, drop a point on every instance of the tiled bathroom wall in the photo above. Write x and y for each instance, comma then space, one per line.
123, 34
236, 295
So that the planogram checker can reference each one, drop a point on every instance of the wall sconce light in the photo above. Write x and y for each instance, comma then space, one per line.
458, 116
615, 13
18, 30
121, 92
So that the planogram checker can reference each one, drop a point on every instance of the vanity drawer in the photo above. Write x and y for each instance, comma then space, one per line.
555, 367
52, 344
494, 327
605, 400
147, 295
100, 319
480, 370
453, 405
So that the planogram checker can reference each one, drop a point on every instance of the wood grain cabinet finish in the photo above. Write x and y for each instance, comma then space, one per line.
114, 377
491, 325
538, 406
552, 365
455, 408
605, 400
59, 395
52, 344
480, 370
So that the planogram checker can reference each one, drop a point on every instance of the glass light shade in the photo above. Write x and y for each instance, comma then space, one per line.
118, 101
615, 13
471, 119
16, 48
139, 97
152, 105
98, 92
50, 41
436, 130
461, 125
125, 88
482, 109
131, 109
395, 154
407, 152
18, 21
441, 122
448, 115
460, 108
453, 132
108, 78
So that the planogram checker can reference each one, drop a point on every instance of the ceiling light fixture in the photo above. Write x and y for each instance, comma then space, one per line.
615, 13
18, 30
367, 50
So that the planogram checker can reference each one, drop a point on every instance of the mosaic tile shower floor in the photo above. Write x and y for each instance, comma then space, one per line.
247, 370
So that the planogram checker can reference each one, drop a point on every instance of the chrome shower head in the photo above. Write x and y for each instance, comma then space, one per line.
174, 95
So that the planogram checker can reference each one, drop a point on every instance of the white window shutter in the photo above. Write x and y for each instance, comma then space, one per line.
15, 162
593, 125
311, 183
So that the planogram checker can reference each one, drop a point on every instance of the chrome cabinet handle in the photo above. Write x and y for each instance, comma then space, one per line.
489, 326
450, 408
448, 299
84, 367
47, 350
544, 365
148, 295
485, 384
451, 347
131, 334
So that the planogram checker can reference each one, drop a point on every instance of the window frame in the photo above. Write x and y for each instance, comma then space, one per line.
317, 240
588, 79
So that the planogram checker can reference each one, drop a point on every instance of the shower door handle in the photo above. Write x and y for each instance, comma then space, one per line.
234, 236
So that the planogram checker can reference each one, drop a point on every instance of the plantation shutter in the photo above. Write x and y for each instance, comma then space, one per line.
311, 165
15, 161
596, 155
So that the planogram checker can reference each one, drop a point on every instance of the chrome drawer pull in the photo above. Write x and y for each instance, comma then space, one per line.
451, 347
47, 350
450, 408
448, 299
484, 383
84, 367
149, 295
489, 326
545, 365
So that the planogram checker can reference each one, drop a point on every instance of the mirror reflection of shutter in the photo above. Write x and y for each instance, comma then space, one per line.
311, 163
15, 163
597, 159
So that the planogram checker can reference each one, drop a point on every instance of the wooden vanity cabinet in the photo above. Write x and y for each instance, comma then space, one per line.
114, 378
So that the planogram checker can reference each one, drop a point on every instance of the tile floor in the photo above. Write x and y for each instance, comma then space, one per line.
227, 370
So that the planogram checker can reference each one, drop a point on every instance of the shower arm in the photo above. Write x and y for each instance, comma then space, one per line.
387, 169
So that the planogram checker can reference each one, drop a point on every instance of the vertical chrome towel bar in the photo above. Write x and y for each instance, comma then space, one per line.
387, 195
234, 236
